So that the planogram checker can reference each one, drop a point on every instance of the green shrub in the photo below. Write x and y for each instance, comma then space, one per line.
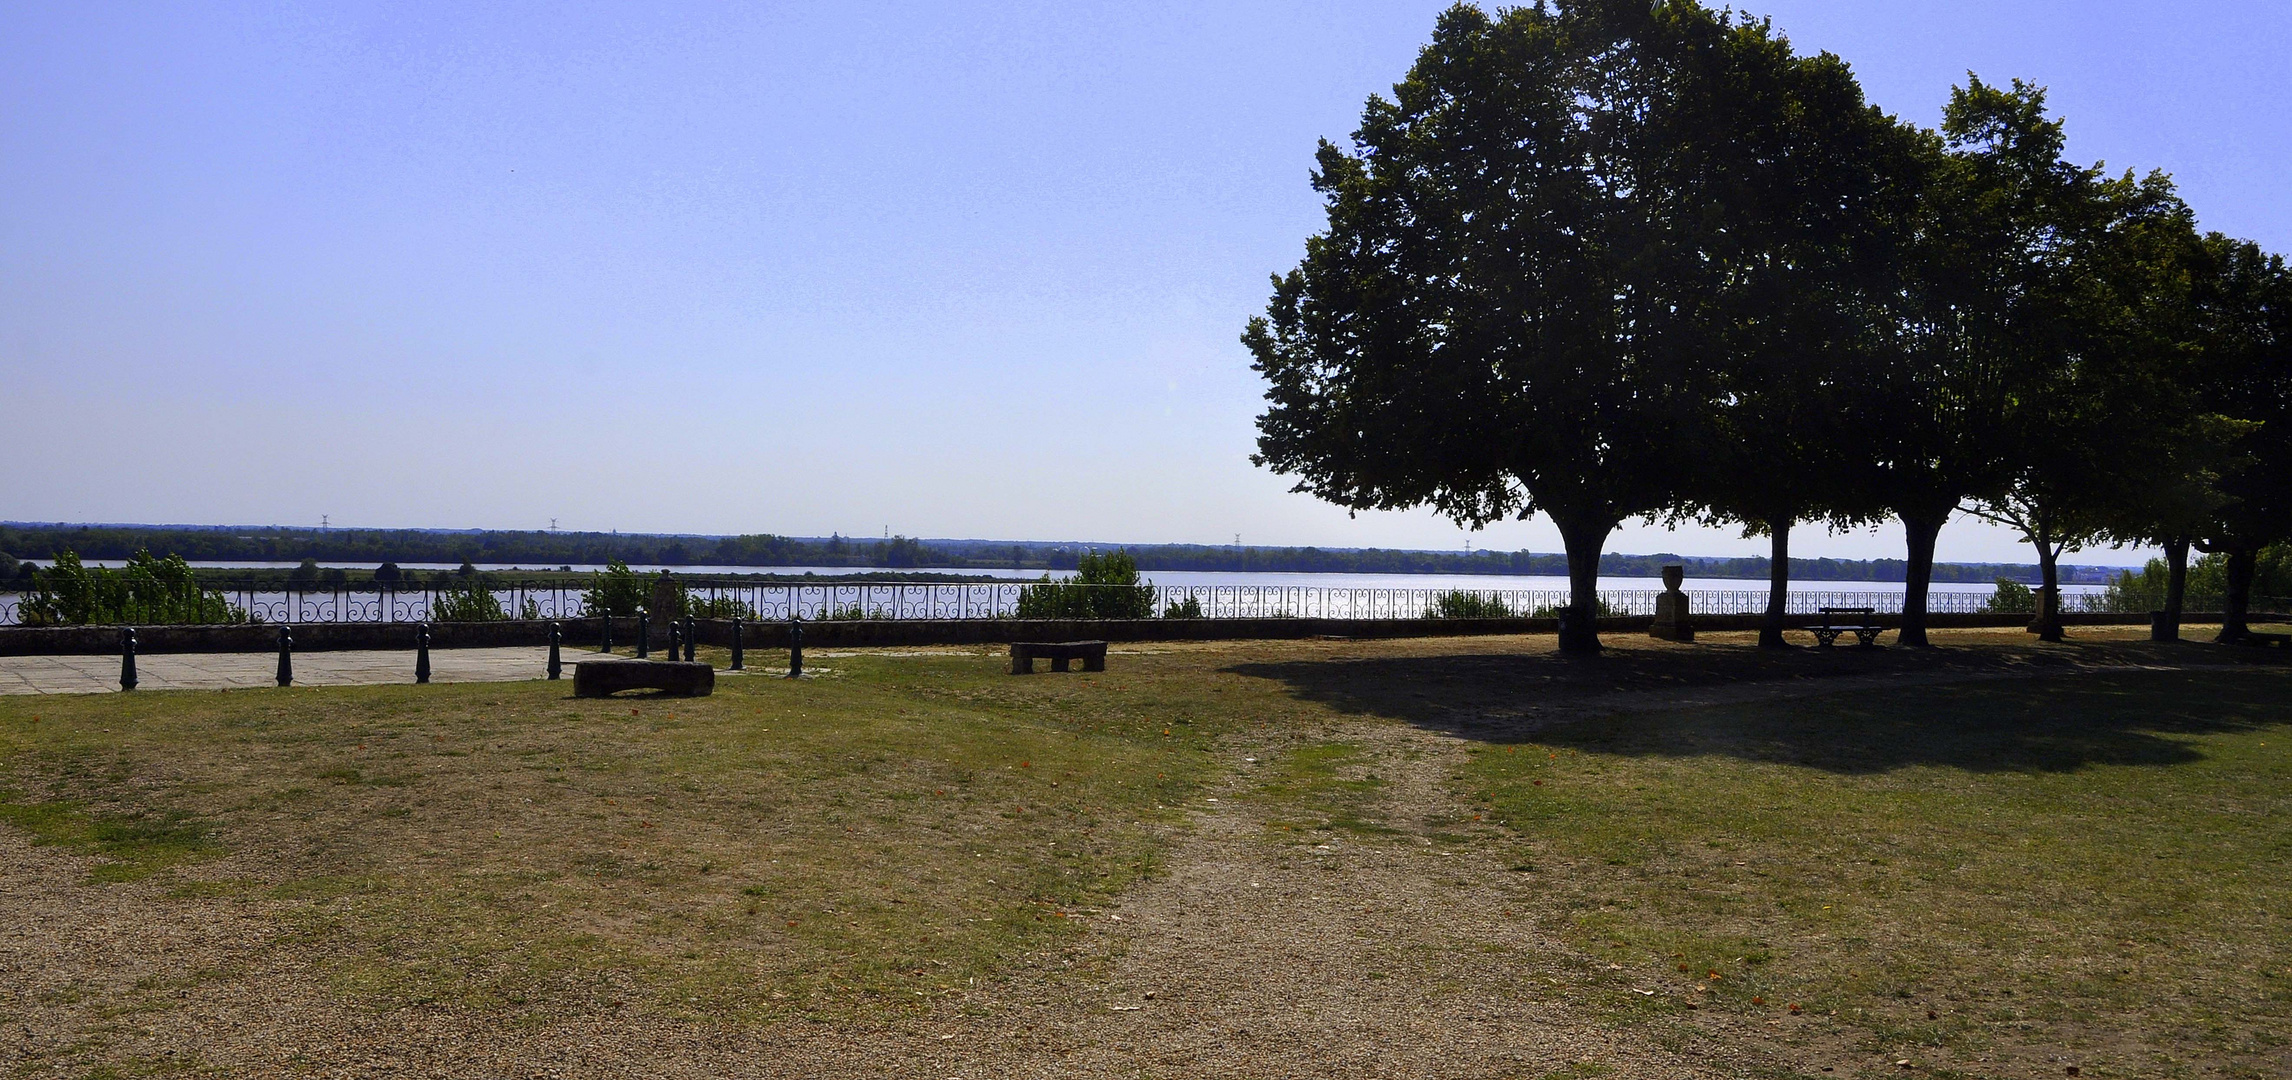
717, 607
2012, 597
1552, 611
1189, 608
1460, 604
616, 591
473, 601
2144, 589
146, 590
1103, 587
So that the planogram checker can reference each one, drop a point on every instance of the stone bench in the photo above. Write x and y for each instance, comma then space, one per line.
1863, 627
1059, 653
599, 678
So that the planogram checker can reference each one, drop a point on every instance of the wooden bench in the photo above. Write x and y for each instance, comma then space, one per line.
1025, 653
1864, 627
677, 678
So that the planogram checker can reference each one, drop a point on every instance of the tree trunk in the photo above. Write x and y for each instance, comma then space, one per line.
2047, 624
2241, 560
1579, 628
1921, 530
1778, 584
2176, 584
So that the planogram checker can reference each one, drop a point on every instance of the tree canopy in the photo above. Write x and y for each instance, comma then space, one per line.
1598, 260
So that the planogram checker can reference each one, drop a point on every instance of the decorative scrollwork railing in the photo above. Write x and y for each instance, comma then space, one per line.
270, 602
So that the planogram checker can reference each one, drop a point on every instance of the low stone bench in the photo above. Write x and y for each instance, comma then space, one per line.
599, 678
1059, 653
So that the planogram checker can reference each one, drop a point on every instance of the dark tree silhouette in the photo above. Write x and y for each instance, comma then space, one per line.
1977, 313
1510, 310
2245, 374
1809, 262
2072, 263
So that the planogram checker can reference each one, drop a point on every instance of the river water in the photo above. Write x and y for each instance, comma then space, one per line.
1210, 594
1204, 578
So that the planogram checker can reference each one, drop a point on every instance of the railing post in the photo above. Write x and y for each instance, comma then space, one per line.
643, 649
286, 656
421, 653
795, 648
127, 659
555, 637
691, 639
676, 640
604, 631
736, 666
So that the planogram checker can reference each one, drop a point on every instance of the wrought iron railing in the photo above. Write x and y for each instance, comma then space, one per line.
270, 602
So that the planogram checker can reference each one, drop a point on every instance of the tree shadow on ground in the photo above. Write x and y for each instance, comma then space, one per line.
1981, 708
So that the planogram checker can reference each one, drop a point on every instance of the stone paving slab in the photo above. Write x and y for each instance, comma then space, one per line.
226, 671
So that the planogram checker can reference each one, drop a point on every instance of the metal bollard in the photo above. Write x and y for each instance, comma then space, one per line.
605, 633
555, 637
795, 648
127, 659
691, 638
676, 640
286, 657
422, 653
736, 643
644, 648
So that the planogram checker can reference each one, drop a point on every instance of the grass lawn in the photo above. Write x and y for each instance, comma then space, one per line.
855, 842
2080, 869
2027, 856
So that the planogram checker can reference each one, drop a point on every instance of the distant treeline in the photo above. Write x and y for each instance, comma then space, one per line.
546, 549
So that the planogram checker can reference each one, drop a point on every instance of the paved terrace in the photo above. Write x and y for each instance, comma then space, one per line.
227, 671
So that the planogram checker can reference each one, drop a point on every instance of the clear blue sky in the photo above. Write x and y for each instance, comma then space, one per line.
954, 270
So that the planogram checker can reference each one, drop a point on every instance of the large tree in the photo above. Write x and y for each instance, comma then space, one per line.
1808, 260
2095, 425
2245, 374
1978, 319
1514, 303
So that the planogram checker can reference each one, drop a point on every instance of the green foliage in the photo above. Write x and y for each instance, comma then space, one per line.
1189, 608
471, 600
616, 591
146, 590
2012, 597
1460, 604
1606, 611
1528, 255
717, 607
1103, 587
2207, 588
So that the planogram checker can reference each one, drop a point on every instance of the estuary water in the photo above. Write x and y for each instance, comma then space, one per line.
1191, 578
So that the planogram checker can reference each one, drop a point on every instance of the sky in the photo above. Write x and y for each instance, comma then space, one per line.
947, 270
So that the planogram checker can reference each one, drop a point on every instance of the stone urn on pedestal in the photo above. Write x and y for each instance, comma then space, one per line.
1671, 621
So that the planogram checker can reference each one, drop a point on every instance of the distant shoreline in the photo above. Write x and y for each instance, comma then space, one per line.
762, 553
